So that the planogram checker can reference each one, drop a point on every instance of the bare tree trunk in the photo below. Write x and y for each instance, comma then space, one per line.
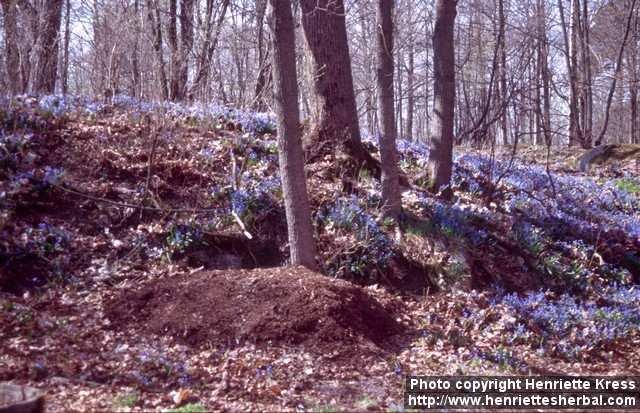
633, 83
9, 13
186, 46
301, 242
388, 153
538, 77
326, 35
545, 73
427, 112
32, 16
209, 46
400, 94
174, 59
67, 39
577, 70
616, 74
587, 86
135, 64
440, 156
503, 73
156, 30
264, 71
410, 87
44, 62
571, 62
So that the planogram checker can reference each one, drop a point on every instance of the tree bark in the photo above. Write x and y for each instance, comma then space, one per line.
338, 130
67, 39
186, 46
31, 14
587, 85
411, 77
205, 58
44, 60
264, 72
135, 63
156, 30
633, 83
388, 152
11, 41
444, 87
301, 241
538, 77
545, 74
503, 72
176, 88
571, 63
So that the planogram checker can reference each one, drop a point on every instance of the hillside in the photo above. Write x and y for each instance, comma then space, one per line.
143, 265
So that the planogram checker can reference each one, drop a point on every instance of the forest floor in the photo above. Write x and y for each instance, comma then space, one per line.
142, 266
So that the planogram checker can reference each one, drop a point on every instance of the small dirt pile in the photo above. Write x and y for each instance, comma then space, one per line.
287, 305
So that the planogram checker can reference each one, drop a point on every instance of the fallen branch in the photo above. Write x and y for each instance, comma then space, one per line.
244, 229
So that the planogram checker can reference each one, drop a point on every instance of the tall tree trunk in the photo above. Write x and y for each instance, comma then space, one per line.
571, 63
301, 241
427, 79
612, 89
544, 73
444, 88
67, 39
11, 42
388, 152
326, 35
588, 82
538, 76
174, 55
44, 61
577, 70
156, 31
186, 46
212, 35
400, 94
135, 63
503, 73
633, 83
264, 71
410, 90
32, 16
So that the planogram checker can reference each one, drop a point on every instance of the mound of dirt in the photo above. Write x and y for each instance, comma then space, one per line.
288, 305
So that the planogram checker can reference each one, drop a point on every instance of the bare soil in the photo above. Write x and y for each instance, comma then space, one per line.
286, 305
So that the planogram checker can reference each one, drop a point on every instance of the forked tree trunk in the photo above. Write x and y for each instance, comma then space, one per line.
444, 89
388, 152
326, 35
211, 37
301, 242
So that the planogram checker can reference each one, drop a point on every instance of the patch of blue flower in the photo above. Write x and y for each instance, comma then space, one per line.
570, 325
347, 214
